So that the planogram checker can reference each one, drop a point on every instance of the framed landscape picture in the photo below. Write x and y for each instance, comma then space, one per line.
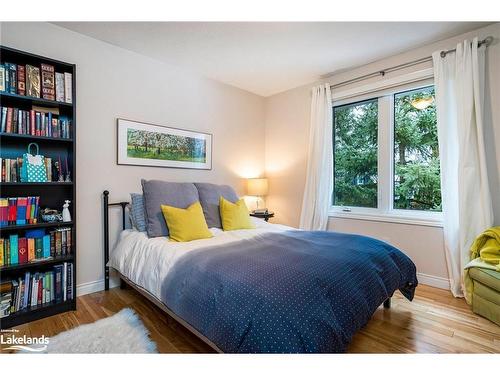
161, 146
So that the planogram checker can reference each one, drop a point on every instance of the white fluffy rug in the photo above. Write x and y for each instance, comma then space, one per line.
121, 333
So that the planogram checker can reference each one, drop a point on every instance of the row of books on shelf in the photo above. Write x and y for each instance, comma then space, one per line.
37, 122
37, 289
11, 169
35, 246
19, 210
37, 82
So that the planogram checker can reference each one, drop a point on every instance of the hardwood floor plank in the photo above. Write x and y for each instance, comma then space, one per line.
435, 322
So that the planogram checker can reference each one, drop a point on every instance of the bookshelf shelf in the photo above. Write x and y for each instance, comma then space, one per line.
36, 312
36, 226
3, 184
52, 194
36, 264
33, 138
32, 100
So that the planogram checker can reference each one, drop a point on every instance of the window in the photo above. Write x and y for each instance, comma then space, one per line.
417, 184
386, 155
355, 154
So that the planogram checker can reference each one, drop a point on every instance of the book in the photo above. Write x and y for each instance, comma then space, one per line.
60, 87
22, 202
48, 81
4, 211
46, 246
31, 249
2, 78
14, 255
11, 71
23, 250
27, 278
7, 252
63, 242
68, 87
58, 243
32, 81
1, 252
4, 118
38, 248
8, 126
70, 281
21, 80
58, 283
64, 280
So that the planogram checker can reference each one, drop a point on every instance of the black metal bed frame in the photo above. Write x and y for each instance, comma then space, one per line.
106, 233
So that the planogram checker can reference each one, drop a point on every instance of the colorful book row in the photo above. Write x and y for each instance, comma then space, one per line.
42, 123
37, 82
35, 246
11, 170
37, 289
19, 211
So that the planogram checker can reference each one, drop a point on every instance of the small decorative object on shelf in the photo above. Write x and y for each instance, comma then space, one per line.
66, 216
266, 215
51, 216
33, 167
68, 173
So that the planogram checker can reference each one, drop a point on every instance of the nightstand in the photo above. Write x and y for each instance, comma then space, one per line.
265, 216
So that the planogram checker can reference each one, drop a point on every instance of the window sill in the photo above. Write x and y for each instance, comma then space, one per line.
422, 220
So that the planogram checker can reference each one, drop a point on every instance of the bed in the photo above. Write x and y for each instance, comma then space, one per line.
272, 289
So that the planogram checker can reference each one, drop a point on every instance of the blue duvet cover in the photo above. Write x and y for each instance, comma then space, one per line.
289, 292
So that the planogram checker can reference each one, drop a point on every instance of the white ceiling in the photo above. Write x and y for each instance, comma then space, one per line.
269, 57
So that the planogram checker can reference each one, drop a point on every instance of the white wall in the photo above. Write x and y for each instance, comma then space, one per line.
287, 132
113, 82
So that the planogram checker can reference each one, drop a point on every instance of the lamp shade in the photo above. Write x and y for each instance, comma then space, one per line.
257, 187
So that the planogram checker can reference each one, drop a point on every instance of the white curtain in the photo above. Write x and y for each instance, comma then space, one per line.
467, 208
318, 187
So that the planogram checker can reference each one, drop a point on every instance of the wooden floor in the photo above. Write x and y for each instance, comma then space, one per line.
434, 322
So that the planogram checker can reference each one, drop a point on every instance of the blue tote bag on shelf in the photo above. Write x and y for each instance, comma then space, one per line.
33, 168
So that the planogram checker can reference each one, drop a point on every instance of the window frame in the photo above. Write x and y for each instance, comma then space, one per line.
384, 91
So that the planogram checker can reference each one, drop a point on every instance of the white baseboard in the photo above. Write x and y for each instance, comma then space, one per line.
98, 285
435, 281
95, 286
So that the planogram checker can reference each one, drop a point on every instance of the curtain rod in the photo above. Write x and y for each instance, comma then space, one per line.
486, 42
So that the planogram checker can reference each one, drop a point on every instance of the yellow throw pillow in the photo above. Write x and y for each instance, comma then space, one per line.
186, 224
234, 215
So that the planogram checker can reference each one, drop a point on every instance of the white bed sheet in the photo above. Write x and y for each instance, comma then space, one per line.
147, 261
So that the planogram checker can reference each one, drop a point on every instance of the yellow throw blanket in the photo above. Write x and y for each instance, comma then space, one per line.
486, 247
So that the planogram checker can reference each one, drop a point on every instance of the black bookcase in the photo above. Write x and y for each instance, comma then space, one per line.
52, 194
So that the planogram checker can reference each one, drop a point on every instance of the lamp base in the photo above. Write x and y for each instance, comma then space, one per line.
260, 211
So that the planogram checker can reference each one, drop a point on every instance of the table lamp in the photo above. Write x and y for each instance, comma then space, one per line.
257, 187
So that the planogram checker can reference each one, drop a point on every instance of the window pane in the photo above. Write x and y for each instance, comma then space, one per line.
417, 183
355, 154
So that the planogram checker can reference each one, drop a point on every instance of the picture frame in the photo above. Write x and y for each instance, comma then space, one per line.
151, 145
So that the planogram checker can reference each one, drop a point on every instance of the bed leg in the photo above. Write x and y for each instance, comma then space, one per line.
387, 303
106, 239
123, 284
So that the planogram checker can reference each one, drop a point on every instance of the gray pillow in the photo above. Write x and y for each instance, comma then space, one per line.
137, 214
209, 199
156, 193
